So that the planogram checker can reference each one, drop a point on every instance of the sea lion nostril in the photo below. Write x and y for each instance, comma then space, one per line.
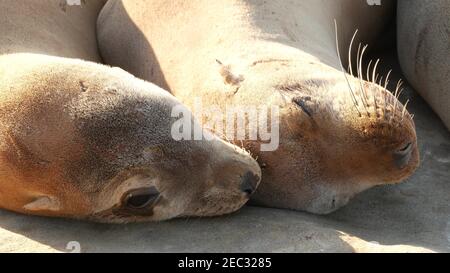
402, 156
249, 183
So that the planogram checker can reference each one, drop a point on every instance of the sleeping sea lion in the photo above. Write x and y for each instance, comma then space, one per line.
88, 141
339, 133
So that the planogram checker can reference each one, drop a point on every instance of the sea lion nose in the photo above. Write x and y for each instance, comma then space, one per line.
249, 183
402, 156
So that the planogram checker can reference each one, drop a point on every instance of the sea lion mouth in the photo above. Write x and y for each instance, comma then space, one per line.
214, 210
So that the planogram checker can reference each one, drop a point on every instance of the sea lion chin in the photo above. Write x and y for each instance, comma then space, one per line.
87, 141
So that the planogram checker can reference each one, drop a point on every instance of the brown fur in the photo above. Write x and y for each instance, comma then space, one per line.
78, 145
77, 137
50, 27
347, 139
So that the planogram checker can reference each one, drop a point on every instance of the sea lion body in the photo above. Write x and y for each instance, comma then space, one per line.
88, 141
423, 39
339, 134
50, 27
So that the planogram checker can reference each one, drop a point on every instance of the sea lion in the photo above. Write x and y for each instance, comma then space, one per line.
423, 40
51, 27
88, 141
339, 134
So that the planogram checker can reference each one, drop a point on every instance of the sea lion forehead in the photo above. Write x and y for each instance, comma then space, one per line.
309, 85
319, 97
365, 108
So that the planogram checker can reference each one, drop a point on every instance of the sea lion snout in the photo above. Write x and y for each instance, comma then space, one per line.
232, 177
249, 183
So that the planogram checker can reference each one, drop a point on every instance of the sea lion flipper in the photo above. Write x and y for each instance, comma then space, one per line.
43, 203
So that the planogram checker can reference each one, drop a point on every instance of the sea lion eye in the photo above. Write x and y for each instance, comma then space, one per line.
141, 198
405, 148
302, 102
402, 156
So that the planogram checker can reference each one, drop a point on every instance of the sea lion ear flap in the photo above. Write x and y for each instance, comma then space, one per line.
43, 203
305, 104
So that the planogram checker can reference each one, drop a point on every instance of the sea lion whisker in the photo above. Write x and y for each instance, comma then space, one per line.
404, 108
385, 105
396, 93
380, 81
355, 102
368, 70
400, 88
373, 93
386, 82
350, 52
360, 72
400, 92
357, 60
397, 88
375, 71
385, 93
397, 99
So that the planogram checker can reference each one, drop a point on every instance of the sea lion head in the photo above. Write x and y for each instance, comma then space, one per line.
339, 135
177, 179
146, 174
190, 179
88, 141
